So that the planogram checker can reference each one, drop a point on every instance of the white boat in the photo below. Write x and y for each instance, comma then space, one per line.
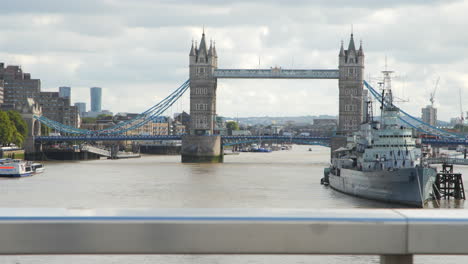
19, 168
37, 167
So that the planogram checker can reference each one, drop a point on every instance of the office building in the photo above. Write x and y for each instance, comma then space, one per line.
81, 107
429, 115
96, 99
65, 92
18, 87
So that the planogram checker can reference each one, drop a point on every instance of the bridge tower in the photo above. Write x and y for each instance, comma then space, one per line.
28, 109
350, 83
201, 145
203, 62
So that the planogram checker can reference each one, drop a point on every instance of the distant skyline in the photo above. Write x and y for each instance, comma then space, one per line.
137, 51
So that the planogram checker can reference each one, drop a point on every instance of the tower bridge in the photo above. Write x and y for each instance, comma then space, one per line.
204, 75
202, 145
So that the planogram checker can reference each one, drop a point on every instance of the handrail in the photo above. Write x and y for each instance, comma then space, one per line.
387, 232
447, 160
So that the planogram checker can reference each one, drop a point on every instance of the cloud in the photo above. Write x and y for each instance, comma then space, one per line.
56, 6
138, 50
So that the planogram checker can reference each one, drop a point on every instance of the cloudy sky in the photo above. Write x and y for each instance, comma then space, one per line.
137, 50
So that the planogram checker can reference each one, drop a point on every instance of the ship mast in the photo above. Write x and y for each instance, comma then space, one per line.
387, 86
387, 96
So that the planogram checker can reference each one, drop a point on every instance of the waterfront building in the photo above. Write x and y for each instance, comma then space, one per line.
96, 114
161, 126
144, 130
18, 87
96, 99
178, 128
96, 126
65, 92
58, 108
429, 115
81, 107
325, 122
183, 118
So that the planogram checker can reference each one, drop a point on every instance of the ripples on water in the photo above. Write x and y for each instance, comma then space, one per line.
283, 179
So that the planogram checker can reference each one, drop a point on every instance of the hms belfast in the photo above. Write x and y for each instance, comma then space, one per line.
382, 160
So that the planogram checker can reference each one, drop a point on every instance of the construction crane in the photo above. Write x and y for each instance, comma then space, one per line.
461, 107
432, 95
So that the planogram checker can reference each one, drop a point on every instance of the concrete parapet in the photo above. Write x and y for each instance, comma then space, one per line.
62, 155
13, 154
161, 149
198, 149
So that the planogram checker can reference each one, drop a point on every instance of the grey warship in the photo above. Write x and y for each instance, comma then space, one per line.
382, 160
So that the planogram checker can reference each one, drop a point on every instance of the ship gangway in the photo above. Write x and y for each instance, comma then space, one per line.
113, 153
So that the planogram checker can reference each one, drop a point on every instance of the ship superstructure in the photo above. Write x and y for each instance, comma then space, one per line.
382, 160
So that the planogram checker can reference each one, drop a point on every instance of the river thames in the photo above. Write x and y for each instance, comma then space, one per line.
282, 179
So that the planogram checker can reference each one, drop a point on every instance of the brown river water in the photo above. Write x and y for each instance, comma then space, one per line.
282, 179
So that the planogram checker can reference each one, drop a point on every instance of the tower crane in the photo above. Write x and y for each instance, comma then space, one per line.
432, 95
461, 107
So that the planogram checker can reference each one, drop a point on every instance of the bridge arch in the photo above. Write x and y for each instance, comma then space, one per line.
35, 128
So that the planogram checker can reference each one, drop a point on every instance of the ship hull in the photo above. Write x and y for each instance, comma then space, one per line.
409, 186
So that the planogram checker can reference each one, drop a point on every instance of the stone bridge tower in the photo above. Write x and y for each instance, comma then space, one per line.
351, 99
201, 145
28, 109
203, 62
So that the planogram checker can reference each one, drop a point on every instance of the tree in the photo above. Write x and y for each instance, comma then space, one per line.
231, 126
102, 116
88, 120
461, 127
7, 129
21, 127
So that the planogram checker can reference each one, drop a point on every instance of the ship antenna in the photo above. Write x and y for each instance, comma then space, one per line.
383, 93
370, 111
382, 102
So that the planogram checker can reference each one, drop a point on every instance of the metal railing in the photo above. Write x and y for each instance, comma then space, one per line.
96, 150
396, 235
447, 160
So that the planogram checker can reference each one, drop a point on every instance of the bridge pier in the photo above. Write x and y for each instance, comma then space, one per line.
199, 149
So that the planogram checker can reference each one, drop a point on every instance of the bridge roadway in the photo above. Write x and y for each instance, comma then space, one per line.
298, 139
395, 234
170, 137
276, 73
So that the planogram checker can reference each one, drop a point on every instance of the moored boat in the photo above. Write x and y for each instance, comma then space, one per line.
383, 160
19, 168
